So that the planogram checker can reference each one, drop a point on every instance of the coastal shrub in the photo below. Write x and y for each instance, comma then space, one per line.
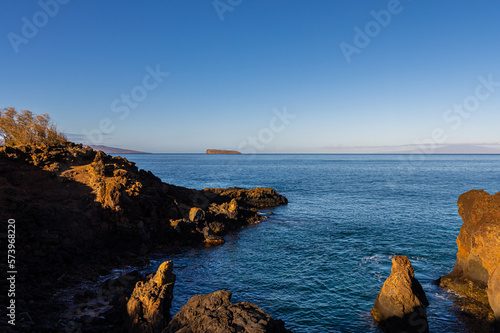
27, 128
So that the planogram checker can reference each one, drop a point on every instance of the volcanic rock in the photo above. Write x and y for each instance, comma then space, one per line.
211, 238
227, 210
478, 253
217, 227
196, 214
401, 303
83, 211
258, 197
213, 313
149, 305
93, 203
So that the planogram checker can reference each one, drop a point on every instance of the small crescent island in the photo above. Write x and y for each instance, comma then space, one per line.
221, 151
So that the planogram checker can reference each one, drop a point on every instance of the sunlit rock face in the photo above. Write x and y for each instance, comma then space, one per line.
401, 303
478, 255
479, 239
149, 305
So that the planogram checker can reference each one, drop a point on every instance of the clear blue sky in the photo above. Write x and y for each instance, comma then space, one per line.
227, 78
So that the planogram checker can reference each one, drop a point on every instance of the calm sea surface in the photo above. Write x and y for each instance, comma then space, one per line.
319, 262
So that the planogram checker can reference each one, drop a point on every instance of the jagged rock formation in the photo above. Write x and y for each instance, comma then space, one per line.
401, 303
149, 304
213, 313
478, 253
222, 151
84, 209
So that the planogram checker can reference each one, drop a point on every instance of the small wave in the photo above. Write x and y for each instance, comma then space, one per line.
377, 258
419, 259
440, 296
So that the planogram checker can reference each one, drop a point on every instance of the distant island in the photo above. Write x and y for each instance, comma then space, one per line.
222, 151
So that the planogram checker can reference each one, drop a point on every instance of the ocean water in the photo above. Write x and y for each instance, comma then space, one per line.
319, 262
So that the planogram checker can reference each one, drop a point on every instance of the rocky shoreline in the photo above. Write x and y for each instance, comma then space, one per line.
80, 213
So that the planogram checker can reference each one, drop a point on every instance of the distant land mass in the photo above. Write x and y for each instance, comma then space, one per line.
456, 149
222, 151
114, 150
420, 149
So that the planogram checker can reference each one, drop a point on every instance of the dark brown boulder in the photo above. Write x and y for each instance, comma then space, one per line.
217, 227
149, 306
214, 313
401, 304
211, 238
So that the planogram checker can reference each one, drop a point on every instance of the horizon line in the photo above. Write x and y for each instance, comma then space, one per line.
201, 153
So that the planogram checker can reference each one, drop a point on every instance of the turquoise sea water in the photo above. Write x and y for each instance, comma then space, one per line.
319, 262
